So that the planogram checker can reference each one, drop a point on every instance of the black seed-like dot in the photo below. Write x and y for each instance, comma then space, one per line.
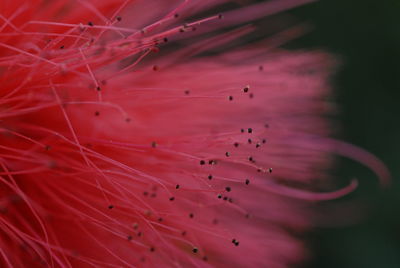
228, 189
176, 15
145, 193
171, 198
247, 181
110, 207
187, 92
236, 144
250, 130
264, 141
234, 240
97, 113
152, 249
212, 162
251, 159
242, 130
62, 47
210, 177
246, 89
183, 233
219, 196
251, 95
191, 215
258, 145
90, 23
249, 141
160, 219
237, 243
225, 198
270, 170
202, 162
195, 250
165, 39
227, 154
230, 98
119, 18
98, 88
177, 186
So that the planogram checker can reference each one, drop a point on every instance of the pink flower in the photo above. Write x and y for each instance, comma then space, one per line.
123, 144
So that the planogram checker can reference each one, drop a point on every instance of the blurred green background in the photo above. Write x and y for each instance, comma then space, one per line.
366, 36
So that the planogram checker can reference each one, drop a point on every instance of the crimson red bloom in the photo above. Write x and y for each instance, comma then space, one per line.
123, 144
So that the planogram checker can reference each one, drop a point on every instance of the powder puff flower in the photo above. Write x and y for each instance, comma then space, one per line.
125, 143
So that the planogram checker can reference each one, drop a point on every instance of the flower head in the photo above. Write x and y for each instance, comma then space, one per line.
123, 144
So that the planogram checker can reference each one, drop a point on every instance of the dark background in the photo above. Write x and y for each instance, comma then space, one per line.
366, 36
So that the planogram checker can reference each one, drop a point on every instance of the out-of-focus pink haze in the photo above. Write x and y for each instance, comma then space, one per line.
125, 143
